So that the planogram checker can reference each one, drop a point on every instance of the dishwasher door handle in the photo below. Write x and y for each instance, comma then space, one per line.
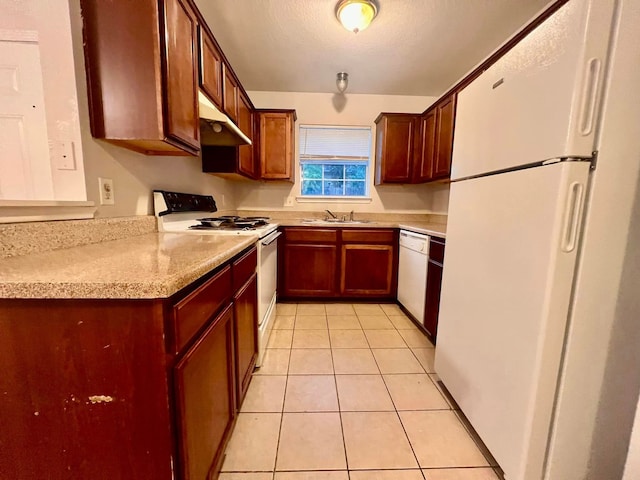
271, 238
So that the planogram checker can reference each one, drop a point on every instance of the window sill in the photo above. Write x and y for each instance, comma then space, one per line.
324, 199
19, 211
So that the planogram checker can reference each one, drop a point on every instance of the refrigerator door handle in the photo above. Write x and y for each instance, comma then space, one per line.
590, 96
573, 214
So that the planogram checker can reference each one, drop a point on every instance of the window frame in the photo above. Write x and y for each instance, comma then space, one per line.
368, 164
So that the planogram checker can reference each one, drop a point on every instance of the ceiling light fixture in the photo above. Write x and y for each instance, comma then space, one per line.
342, 80
356, 15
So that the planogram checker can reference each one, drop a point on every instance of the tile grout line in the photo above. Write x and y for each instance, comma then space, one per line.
335, 382
284, 397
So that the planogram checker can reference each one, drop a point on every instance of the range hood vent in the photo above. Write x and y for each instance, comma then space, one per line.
216, 128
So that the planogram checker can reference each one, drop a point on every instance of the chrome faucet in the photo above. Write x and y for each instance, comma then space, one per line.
331, 213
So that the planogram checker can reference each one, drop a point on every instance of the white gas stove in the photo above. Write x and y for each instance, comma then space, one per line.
194, 214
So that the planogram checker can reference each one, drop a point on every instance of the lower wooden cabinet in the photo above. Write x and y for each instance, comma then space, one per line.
309, 270
143, 389
367, 270
205, 388
338, 262
246, 334
434, 286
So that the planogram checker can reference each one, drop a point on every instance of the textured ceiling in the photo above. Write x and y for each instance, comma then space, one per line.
413, 47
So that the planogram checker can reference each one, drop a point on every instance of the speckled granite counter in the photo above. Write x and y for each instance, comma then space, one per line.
153, 265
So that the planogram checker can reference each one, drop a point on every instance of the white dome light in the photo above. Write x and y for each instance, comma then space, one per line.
356, 15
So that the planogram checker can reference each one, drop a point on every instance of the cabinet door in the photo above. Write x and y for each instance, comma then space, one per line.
425, 157
309, 270
432, 301
276, 145
367, 270
181, 102
210, 68
246, 163
230, 94
394, 148
205, 394
444, 137
245, 313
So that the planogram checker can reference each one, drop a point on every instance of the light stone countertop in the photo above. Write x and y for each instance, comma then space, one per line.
153, 265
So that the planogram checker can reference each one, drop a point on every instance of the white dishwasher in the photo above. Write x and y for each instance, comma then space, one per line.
412, 272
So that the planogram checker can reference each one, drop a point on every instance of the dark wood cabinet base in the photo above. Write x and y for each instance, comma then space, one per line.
127, 389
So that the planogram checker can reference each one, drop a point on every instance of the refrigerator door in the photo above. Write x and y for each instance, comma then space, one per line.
508, 270
540, 100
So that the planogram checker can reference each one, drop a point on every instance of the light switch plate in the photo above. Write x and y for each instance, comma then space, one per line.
63, 154
106, 191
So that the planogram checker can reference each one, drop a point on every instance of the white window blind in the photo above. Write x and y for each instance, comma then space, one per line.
334, 143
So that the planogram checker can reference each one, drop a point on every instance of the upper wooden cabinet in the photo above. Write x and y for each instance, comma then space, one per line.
445, 114
210, 67
230, 91
415, 148
246, 159
395, 137
234, 162
426, 148
275, 144
143, 91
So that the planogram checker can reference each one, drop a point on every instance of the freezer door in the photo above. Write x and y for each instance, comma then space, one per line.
540, 100
508, 270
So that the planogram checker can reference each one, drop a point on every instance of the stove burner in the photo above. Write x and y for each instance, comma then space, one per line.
230, 223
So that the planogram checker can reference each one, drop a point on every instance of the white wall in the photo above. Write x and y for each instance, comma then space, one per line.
328, 109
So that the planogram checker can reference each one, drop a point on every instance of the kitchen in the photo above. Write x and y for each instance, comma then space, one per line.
397, 198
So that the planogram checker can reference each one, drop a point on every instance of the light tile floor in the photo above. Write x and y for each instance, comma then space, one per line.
348, 392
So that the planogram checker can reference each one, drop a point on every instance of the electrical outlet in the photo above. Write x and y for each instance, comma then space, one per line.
106, 191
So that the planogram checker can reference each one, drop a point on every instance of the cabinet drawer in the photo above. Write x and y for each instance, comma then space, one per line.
311, 235
436, 249
193, 311
361, 235
243, 268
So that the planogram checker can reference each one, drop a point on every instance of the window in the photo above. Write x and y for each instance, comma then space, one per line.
334, 161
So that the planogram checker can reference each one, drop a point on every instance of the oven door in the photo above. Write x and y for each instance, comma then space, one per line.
267, 280
267, 274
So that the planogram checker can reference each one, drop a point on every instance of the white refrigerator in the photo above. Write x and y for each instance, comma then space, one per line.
525, 134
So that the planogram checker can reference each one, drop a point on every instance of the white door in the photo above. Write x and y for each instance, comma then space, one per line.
509, 263
540, 100
25, 168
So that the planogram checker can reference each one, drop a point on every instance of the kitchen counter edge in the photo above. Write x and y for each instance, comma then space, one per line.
427, 228
150, 266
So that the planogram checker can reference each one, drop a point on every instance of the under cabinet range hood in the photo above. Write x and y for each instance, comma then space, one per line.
216, 128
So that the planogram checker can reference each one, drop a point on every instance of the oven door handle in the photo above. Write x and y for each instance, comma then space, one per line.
271, 238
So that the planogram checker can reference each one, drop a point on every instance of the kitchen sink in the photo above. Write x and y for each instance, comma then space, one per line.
333, 221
